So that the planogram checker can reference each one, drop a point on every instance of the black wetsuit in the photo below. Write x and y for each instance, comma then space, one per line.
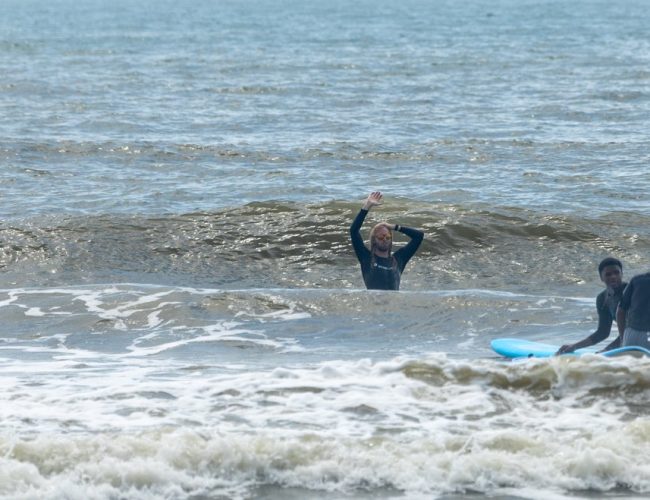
636, 303
606, 304
383, 273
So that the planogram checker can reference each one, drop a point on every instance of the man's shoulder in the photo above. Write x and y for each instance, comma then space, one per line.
641, 280
601, 300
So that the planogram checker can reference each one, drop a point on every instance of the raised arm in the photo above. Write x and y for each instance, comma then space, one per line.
373, 199
355, 234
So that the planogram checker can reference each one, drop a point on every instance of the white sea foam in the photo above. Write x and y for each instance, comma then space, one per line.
432, 426
157, 410
188, 462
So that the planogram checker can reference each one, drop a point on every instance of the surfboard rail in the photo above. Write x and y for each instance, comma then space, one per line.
522, 348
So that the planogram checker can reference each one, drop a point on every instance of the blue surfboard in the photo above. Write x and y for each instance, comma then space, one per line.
520, 348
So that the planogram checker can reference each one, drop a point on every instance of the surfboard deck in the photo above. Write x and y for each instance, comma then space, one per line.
520, 348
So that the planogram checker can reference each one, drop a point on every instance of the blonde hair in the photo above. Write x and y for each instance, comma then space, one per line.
373, 243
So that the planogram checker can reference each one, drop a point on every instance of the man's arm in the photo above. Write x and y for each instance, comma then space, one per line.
614, 344
620, 324
405, 253
602, 332
621, 320
355, 234
623, 306
360, 249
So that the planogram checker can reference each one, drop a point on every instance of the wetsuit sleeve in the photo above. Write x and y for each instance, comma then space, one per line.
355, 235
605, 321
615, 344
404, 254
627, 296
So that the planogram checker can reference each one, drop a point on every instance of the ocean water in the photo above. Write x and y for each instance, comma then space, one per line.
181, 313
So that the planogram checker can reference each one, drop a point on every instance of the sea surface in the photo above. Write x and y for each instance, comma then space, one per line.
181, 312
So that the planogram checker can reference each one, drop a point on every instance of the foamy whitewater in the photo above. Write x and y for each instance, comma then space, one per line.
181, 312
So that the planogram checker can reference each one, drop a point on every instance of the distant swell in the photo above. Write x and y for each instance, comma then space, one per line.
284, 244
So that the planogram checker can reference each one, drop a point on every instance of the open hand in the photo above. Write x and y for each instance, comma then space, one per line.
373, 199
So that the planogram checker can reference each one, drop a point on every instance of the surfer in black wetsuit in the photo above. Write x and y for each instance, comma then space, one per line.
380, 268
610, 271
633, 315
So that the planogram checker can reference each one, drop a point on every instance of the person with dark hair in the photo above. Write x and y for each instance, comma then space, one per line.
381, 269
610, 271
633, 314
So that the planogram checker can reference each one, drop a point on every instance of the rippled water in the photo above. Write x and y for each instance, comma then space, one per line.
163, 107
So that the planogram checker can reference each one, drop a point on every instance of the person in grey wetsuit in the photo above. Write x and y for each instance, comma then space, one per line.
633, 313
381, 269
610, 271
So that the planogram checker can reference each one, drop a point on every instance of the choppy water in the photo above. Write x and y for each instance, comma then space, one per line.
182, 315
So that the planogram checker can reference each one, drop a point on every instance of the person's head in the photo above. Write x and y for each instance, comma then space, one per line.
381, 238
610, 271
